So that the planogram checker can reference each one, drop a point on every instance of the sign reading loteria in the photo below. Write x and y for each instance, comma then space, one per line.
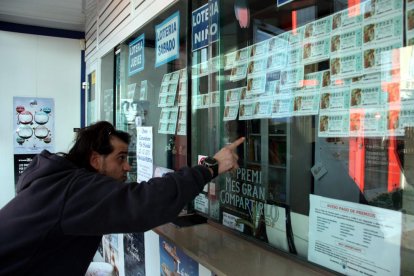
167, 40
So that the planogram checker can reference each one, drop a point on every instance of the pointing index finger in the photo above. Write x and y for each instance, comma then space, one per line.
236, 143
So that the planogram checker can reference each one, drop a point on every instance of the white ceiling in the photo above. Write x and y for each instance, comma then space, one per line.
59, 14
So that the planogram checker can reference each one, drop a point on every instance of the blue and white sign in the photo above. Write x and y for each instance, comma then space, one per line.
283, 2
203, 29
136, 58
167, 42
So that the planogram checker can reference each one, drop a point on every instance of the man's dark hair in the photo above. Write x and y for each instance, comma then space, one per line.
95, 137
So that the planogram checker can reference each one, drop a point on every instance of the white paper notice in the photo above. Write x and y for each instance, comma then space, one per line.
354, 239
144, 153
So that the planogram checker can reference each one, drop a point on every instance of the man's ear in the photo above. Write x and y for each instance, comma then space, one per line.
95, 160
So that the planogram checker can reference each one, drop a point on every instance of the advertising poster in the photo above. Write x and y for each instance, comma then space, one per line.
231, 104
335, 99
257, 66
373, 9
263, 107
277, 44
34, 125
182, 100
346, 65
294, 56
131, 88
318, 28
168, 120
242, 201
136, 58
347, 18
347, 40
215, 99
256, 84
405, 97
168, 89
333, 124
276, 61
174, 261
367, 95
203, 32
383, 30
291, 77
326, 79
229, 60
239, 72
131, 110
406, 117
381, 57
409, 25
304, 105
367, 122
201, 101
295, 36
134, 254
231, 110
237, 63
316, 50
354, 239
272, 84
242, 56
145, 160
312, 82
246, 109
214, 64
275, 218
282, 107
182, 92
203, 69
108, 102
113, 253
202, 202
182, 122
259, 50
143, 91
232, 95
21, 162
397, 120
167, 42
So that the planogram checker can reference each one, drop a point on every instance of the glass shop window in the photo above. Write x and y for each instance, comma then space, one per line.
323, 91
150, 86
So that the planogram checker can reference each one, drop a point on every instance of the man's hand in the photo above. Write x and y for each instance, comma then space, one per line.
227, 156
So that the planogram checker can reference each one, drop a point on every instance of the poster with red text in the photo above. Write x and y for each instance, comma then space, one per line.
34, 125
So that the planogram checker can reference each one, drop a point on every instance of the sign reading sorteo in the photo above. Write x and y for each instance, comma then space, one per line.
167, 40
136, 58
205, 25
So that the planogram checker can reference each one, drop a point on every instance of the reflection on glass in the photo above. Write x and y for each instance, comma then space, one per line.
325, 101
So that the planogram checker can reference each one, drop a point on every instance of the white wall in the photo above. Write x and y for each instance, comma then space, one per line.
37, 66
147, 10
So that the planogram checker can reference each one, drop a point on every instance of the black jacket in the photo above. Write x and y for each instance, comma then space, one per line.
56, 221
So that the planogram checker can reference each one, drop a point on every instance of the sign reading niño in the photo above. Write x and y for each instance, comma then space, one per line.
205, 25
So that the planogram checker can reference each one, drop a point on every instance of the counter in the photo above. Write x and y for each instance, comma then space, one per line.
225, 253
